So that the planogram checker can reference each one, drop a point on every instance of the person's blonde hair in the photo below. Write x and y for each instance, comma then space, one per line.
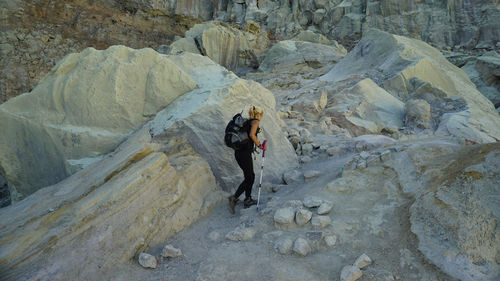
254, 111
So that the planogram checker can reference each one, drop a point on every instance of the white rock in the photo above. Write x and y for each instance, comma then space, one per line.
301, 247
310, 175
241, 234
320, 221
312, 201
362, 261
302, 217
330, 240
170, 251
147, 260
325, 208
350, 273
284, 245
284, 215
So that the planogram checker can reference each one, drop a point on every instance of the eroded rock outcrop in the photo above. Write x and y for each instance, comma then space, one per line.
89, 103
409, 68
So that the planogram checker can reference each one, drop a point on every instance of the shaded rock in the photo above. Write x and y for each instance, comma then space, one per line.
170, 251
147, 260
312, 201
302, 217
314, 238
418, 113
350, 273
301, 247
362, 261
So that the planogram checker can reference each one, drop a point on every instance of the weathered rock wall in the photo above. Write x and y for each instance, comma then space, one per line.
103, 216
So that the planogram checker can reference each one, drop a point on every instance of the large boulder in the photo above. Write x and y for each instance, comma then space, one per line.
88, 104
409, 68
201, 116
288, 54
103, 216
227, 46
366, 108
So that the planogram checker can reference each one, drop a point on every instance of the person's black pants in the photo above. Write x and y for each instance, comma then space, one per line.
244, 159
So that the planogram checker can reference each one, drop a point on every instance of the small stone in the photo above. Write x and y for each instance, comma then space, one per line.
296, 204
325, 208
364, 154
361, 164
147, 260
170, 251
301, 247
314, 237
241, 234
385, 155
362, 261
284, 215
304, 133
302, 217
331, 240
310, 175
284, 246
350, 273
312, 201
320, 221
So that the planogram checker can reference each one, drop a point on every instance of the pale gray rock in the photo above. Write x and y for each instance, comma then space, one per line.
312, 201
325, 208
241, 233
170, 251
305, 159
296, 204
350, 273
291, 54
302, 217
418, 113
284, 245
284, 216
147, 260
362, 261
320, 221
301, 247
311, 175
214, 235
292, 177
330, 240
307, 149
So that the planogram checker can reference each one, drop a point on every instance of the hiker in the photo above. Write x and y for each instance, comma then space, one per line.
244, 158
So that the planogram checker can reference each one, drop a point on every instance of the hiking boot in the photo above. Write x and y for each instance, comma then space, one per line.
249, 202
232, 203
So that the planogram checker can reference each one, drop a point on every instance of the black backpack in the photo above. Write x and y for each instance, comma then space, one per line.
236, 134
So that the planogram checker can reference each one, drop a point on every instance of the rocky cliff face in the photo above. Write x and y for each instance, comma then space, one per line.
35, 34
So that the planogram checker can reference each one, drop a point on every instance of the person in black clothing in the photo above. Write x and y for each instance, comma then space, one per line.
244, 158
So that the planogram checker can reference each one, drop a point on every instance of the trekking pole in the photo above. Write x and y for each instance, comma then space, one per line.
261, 170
